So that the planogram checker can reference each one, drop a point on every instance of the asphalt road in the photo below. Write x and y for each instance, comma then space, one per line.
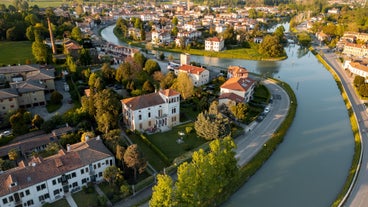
358, 196
257, 134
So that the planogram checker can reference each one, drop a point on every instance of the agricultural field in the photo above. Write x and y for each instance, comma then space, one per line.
15, 52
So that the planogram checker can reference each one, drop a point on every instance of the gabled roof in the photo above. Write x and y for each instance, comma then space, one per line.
238, 84
191, 69
232, 96
43, 75
359, 66
8, 93
17, 69
213, 39
81, 154
148, 100
144, 101
28, 86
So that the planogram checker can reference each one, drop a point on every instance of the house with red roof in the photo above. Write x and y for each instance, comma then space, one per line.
236, 90
198, 75
45, 180
214, 44
151, 112
357, 68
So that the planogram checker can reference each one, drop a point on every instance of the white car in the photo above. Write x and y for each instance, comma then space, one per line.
266, 110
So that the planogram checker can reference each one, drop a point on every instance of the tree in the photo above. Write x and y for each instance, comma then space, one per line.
52, 148
76, 34
108, 73
163, 192
147, 87
84, 57
139, 59
358, 81
304, 38
271, 47
112, 175
239, 111
151, 66
39, 51
124, 72
120, 150
13, 154
18, 124
175, 21
167, 81
37, 121
134, 159
184, 85
56, 97
107, 110
71, 64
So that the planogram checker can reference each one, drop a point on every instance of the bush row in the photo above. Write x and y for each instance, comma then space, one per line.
155, 148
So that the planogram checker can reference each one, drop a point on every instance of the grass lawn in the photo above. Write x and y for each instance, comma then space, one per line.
60, 203
52, 107
15, 52
149, 154
167, 141
85, 199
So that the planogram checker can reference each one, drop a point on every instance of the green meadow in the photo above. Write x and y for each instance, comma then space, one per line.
15, 52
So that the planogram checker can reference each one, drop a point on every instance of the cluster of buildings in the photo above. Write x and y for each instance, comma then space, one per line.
24, 86
38, 180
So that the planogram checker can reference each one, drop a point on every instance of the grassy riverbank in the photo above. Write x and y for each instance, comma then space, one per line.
357, 139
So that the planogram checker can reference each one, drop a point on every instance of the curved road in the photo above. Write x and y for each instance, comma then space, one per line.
249, 144
358, 196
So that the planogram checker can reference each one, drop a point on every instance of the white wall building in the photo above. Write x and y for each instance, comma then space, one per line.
198, 75
151, 112
47, 180
237, 89
214, 44
357, 68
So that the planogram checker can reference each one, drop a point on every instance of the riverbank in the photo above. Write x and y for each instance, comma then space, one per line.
237, 53
355, 166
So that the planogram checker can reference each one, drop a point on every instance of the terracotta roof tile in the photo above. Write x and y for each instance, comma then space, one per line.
232, 96
191, 69
238, 84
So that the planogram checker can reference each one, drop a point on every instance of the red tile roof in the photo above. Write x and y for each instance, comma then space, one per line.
238, 84
191, 69
169, 92
213, 39
232, 96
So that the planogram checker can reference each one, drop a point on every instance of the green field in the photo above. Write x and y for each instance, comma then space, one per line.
12, 52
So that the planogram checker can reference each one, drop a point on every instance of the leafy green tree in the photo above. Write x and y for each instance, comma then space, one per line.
304, 39
39, 51
139, 59
71, 64
163, 192
37, 121
124, 72
76, 34
271, 47
167, 81
133, 158
56, 97
18, 124
108, 73
120, 150
147, 87
184, 85
358, 81
239, 111
84, 57
51, 149
13, 154
175, 21
107, 110
151, 66
113, 175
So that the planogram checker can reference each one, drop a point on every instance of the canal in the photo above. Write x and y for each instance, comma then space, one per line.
310, 167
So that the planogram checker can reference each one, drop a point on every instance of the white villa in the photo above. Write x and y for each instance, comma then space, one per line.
236, 90
356, 68
49, 179
151, 112
198, 75
214, 44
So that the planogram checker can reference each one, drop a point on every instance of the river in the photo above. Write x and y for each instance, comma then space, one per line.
310, 167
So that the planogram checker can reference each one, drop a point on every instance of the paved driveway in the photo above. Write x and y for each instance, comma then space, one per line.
42, 111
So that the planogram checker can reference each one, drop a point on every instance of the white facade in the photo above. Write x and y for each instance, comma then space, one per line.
214, 44
242, 87
160, 37
198, 75
356, 68
47, 180
151, 112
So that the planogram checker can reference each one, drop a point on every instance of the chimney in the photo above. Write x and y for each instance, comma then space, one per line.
68, 148
87, 138
98, 137
51, 37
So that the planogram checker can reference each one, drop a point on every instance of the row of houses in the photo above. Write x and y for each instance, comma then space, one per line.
45, 180
27, 86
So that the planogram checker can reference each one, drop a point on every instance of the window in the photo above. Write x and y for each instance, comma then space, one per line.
5, 200
21, 194
10, 99
82, 171
86, 169
41, 187
56, 192
74, 175
140, 126
107, 162
11, 199
30, 202
75, 184
173, 119
100, 174
94, 166
149, 114
173, 110
54, 182
139, 117
84, 180
27, 192
11, 106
